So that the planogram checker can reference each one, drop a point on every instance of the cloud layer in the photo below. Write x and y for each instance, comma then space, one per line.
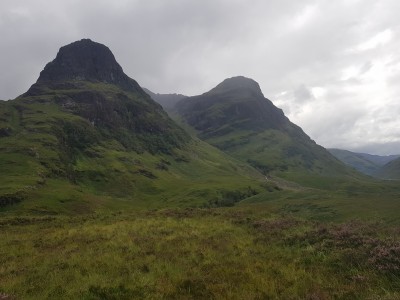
332, 66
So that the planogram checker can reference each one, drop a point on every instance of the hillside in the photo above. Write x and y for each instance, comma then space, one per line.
237, 118
85, 136
355, 160
389, 171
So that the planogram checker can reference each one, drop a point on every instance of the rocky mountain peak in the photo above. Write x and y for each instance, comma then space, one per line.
89, 61
235, 103
238, 83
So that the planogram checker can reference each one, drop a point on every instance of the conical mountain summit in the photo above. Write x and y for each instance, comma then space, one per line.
240, 84
89, 61
236, 103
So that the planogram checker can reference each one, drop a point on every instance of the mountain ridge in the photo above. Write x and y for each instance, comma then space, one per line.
76, 143
245, 107
237, 118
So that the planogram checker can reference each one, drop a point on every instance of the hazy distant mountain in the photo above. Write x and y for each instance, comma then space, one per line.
380, 160
85, 134
366, 163
167, 101
237, 118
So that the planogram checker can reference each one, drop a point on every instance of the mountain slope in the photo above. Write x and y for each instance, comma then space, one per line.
355, 160
85, 135
237, 118
389, 171
363, 162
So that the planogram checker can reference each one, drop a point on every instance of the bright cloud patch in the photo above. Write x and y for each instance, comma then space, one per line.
380, 39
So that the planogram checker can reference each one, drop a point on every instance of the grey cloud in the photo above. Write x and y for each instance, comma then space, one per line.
303, 94
366, 67
386, 148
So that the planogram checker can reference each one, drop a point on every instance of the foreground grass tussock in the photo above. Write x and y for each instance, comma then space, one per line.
225, 253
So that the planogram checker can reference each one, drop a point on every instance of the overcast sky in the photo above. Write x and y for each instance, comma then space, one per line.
332, 66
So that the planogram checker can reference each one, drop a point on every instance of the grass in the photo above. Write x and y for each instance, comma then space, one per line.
352, 200
223, 253
120, 180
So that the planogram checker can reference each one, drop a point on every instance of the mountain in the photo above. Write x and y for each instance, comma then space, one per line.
86, 80
85, 135
167, 101
391, 170
379, 160
237, 118
235, 104
365, 163
86, 60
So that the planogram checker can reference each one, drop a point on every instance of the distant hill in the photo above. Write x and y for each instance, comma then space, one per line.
85, 135
366, 163
167, 101
237, 118
389, 171
380, 160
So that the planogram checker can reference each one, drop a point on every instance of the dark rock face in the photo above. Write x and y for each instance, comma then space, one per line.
237, 101
239, 84
89, 61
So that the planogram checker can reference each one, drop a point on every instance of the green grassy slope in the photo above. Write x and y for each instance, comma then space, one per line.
59, 160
